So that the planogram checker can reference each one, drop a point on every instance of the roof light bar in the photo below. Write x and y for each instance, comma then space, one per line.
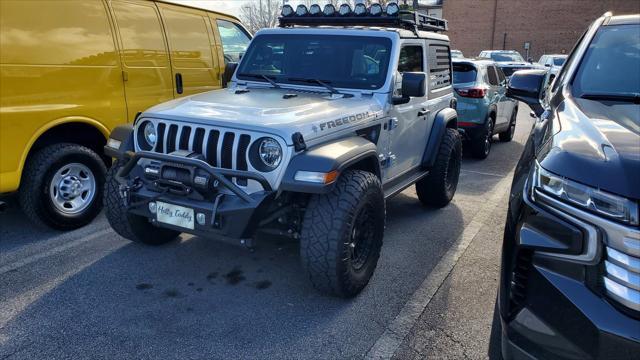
391, 16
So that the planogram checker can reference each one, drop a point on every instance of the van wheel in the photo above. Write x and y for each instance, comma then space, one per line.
481, 143
437, 188
507, 135
62, 186
132, 227
342, 234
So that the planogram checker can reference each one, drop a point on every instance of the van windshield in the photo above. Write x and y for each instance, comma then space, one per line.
357, 62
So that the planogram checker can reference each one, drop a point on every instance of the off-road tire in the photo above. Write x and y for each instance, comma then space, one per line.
328, 230
507, 135
133, 227
481, 143
37, 175
438, 188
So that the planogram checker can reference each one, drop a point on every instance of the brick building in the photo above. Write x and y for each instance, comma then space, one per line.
550, 26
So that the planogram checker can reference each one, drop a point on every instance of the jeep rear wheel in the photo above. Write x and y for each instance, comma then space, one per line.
62, 186
437, 188
132, 227
342, 234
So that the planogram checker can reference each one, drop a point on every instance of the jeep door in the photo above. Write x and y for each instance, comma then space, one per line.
407, 128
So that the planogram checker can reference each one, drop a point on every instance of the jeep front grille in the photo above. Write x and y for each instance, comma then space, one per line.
224, 149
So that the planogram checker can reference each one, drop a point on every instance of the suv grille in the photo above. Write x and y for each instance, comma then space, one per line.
622, 276
221, 148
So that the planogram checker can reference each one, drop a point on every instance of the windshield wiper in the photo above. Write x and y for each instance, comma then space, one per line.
632, 98
262, 76
323, 83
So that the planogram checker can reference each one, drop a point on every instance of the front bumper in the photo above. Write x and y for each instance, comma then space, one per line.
555, 307
228, 210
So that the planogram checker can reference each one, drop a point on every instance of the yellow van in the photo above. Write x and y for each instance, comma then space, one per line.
70, 71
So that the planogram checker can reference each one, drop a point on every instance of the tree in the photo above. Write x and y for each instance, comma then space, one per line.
259, 14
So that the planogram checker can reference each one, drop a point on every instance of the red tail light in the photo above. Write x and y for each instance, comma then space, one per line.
476, 93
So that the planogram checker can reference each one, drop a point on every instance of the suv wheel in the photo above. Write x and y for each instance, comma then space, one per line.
342, 233
481, 144
133, 227
507, 135
62, 186
437, 188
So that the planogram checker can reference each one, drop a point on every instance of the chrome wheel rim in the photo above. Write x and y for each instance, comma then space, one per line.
72, 188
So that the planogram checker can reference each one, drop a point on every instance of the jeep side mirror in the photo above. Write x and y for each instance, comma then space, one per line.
527, 86
229, 69
413, 85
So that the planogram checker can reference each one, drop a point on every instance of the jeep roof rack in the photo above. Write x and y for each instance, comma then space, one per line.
392, 17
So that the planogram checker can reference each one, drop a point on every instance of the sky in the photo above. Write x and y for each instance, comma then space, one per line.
226, 6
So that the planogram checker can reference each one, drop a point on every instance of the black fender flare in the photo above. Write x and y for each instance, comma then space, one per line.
122, 137
445, 118
337, 155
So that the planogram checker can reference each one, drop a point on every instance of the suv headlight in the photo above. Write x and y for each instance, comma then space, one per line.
597, 201
266, 154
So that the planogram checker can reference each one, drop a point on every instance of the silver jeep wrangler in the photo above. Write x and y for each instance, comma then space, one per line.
323, 120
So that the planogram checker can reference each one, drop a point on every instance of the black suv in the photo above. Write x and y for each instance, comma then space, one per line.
570, 278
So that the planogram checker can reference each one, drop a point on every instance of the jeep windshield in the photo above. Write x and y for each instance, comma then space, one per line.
356, 62
610, 69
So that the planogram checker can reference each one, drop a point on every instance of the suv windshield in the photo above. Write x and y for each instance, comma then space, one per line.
464, 73
611, 65
357, 62
506, 57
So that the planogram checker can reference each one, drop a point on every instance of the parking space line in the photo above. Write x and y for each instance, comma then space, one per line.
395, 333
53, 251
482, 173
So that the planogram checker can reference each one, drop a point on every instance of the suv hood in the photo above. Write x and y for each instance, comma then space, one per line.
268, 110
599, 145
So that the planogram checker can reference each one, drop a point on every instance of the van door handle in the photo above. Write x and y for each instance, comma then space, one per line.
179, 83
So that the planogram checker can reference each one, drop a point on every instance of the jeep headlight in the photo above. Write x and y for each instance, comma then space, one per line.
150, 135
266, 154
594, 200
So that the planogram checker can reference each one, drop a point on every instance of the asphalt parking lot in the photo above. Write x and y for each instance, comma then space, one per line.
91, 294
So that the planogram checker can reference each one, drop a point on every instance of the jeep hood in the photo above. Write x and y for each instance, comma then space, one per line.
280, 112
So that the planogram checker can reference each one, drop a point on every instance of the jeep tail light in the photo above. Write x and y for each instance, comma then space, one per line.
475, 93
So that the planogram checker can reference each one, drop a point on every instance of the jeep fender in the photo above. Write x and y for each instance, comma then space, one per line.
336, 155
445, 118
122, 137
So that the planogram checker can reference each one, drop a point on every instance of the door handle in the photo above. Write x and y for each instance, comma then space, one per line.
423, 112
179, 83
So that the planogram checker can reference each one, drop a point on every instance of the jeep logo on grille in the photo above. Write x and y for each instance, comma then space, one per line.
343, 121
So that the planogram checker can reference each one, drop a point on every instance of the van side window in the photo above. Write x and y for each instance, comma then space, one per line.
141, 35
60, 33
234, 40
439, 67
411, 59
188, 40
493, 78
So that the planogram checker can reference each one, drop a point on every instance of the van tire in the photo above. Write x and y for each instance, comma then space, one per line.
47, 165
438, 188
342, 233
132, 227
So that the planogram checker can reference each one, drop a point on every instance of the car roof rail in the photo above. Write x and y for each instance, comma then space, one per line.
392, 17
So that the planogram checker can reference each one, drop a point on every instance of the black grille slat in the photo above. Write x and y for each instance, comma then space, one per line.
160, 141
198, 139
171, 138
227, 150
241, 154
212, 148
184, 138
